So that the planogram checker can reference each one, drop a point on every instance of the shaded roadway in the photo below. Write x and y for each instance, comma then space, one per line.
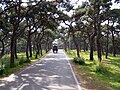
53, 72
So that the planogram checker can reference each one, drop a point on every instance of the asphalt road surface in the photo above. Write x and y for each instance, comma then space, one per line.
53, 72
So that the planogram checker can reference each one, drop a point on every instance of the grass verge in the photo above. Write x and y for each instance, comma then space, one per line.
95, 76
20, 63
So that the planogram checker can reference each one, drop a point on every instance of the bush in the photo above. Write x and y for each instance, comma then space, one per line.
101, 68
79, 60
21, 60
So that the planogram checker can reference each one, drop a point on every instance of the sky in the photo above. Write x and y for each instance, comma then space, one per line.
80, 2
115, 5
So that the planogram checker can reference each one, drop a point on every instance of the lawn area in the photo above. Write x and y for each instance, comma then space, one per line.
20, 63
95, 76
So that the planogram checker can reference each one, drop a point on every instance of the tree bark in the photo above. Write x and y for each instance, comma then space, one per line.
98, 47
12, 49
29, 43
91, 48
65, 45
3, 48
77, 46
41, 49
113, 43
91, 40
47, 44
14, 37
37, 51
97, 23
16, 57
92, 37
27, 48
98, 41
30, 47
107, 41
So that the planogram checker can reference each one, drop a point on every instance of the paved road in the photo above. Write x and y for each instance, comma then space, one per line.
53, 72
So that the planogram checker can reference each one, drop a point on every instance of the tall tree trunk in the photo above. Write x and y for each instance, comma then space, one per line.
91, 39
27, 48
47, 44
12, 48
29, 43
3, 48
40, 49
30, 47
65, 45
113, 43
34, 47
91, 49
77, 46
97, 23
16, 57
37, 51
14, 37
107, 40
98, 47
98, 41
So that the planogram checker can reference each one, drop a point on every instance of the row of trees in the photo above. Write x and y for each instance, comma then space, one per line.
33, 25
94, 26
27, 26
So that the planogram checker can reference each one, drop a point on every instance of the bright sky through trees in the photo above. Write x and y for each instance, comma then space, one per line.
75, 3
79, 2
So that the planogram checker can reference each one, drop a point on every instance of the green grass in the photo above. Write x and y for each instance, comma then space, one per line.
19, 63
106, 74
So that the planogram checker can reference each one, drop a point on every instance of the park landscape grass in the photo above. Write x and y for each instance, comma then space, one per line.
20, 63
98, 76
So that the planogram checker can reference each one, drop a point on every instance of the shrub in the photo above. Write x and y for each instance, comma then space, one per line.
101, 68
21, 60
79, 60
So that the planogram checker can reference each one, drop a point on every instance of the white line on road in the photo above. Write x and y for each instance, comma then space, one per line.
76, 80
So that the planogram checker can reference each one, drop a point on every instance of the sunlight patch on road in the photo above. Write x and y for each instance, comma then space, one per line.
25, 75
38, 78
3, 84
54, 76
11, 78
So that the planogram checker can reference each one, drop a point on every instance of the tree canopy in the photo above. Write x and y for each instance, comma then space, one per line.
33, 25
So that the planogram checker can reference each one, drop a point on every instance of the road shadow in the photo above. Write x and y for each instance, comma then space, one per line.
51, 73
